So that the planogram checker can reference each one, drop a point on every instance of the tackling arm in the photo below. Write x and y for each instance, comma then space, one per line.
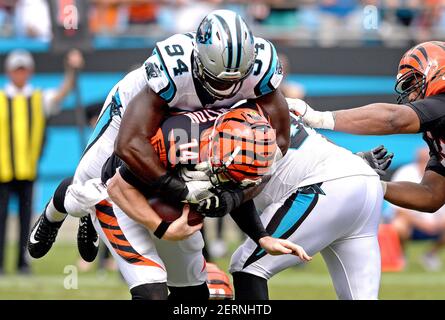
374, 119
276, 107
428, 195
139, 123
377, 118
136, 206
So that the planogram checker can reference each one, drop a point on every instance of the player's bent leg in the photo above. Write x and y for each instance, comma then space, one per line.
186, 267
250, 287
354, 259
354, 266
313, 219
131, 246
44, 232
184, 261
99, 149
150, 291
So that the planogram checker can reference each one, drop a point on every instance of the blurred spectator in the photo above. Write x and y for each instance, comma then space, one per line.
6, 17
414, 225
186, 15
32, 19
23, 113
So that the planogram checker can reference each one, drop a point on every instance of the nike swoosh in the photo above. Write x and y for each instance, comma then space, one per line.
96, 243
32, 236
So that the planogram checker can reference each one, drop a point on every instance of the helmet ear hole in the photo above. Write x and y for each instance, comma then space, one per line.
218, 36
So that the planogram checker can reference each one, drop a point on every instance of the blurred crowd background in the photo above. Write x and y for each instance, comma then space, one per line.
307, 22
335, 54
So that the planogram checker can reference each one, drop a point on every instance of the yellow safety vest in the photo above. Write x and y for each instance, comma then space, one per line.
22, 130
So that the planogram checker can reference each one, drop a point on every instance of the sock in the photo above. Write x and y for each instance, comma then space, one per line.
52, 214
250, 287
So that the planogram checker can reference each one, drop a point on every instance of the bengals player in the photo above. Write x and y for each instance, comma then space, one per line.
238, 150
421, 108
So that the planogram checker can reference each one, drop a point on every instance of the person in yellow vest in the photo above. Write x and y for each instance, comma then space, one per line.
23, 113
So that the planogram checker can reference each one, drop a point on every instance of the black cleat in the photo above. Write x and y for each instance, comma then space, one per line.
87, 239
42, 236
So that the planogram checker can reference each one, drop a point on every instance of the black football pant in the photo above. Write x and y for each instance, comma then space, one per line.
24, 192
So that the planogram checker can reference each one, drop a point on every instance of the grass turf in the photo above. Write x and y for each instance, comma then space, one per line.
310, 281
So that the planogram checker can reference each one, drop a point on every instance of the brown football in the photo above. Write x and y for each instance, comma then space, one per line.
170, 212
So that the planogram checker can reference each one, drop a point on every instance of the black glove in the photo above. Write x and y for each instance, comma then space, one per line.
170, 186
378, 158
222, 203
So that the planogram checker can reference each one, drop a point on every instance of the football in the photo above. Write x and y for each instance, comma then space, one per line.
170, 212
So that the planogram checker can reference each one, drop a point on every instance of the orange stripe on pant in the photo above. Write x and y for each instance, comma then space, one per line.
116, 237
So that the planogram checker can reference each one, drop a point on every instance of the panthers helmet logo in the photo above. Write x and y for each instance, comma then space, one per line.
204, 33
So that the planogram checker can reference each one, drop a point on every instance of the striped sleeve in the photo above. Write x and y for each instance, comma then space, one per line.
273, 75
158, 77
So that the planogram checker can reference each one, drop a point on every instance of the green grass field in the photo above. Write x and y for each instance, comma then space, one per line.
307, 282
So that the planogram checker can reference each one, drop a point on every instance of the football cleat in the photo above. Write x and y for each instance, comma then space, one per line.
218, 283
87, 239
42, 236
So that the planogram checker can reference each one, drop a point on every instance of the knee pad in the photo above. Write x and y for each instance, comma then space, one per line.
59, 194
250, 287
150, 291
190, 293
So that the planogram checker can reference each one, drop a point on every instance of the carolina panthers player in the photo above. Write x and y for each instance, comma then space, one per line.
150, 264
219, 65
327, 200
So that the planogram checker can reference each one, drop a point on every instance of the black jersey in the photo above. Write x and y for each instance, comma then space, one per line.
183, 138
431, 113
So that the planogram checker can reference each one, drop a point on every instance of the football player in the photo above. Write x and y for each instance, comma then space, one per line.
421, 87
222, 63
306, 184
326, 199
240, 148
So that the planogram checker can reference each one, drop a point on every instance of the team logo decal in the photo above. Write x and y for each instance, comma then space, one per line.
152, 70
279, 69
204, 34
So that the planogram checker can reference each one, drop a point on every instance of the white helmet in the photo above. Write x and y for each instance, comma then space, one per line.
224, 53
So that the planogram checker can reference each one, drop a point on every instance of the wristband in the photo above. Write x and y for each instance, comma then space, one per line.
161, 229
324, 120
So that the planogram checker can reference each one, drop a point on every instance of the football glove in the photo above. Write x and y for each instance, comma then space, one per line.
378, 159
181, 191
220, 203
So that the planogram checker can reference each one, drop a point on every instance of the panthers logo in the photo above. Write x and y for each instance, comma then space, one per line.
204, 34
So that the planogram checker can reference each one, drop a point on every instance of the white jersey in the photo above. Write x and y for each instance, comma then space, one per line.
311, 159
168, 72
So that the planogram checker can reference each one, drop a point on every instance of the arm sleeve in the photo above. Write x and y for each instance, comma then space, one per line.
248, 220
431, 112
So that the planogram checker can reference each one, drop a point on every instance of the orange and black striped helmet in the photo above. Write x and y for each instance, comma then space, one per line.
421, 70
242, 148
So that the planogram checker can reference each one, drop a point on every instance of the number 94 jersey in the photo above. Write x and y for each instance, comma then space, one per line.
169, 73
